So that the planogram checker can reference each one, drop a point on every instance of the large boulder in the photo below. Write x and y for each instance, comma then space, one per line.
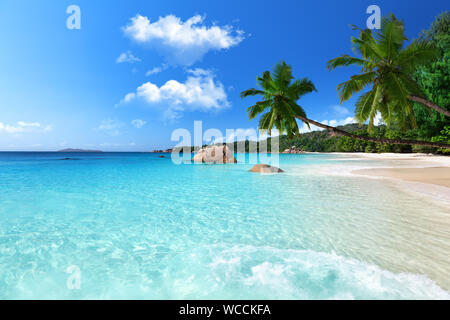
265, 168
215, 154
293, 150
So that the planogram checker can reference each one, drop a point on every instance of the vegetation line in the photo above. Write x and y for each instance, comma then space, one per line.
377, 140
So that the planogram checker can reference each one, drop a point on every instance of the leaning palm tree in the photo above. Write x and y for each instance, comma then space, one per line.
386, 68
280, 96
279, 107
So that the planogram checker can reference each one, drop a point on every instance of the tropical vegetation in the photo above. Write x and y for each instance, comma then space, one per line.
397, 78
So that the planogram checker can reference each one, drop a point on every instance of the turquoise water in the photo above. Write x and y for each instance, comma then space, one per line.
138, 226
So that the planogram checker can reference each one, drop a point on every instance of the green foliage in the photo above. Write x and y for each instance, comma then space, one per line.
279, 106
434, 79
386, 69
443, 137
322, 141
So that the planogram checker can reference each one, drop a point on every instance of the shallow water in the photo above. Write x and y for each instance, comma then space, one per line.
138, 226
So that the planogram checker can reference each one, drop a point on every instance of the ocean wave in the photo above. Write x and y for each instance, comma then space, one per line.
224, 272
268, 273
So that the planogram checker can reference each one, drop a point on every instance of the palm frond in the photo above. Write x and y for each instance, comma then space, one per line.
392, 37
299, 88
411, 86
355, 85
396, 90
266, 82
346, 60
282, 75
280, 97
416, 54
251, 92
363, 106
367, 46
264, 121
258, 108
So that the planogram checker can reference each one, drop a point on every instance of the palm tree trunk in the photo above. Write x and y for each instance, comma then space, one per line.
430, 105
377, 140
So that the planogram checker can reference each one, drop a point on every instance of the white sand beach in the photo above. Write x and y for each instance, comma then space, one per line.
423, 174
423, 168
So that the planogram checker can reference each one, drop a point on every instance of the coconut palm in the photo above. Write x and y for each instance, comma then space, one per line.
280, 96
386, 68
279, 107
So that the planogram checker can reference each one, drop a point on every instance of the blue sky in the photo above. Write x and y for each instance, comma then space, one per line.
137, 70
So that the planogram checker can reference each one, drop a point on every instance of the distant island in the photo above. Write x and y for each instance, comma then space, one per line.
78, 150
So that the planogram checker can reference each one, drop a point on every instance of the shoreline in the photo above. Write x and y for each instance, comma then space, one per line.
439, 176
411, 167
424, 175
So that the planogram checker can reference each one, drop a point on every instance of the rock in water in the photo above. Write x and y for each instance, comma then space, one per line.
215, 154
265, 168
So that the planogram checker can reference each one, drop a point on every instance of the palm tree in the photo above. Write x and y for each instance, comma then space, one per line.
280, 109
386, 67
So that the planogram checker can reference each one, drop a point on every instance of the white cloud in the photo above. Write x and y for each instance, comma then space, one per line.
128, 97
24, 127
378, 119
156, 70
182, 42
110, 126
250, 134
340, 110
127, 57
138, 123
198, 72
200, 91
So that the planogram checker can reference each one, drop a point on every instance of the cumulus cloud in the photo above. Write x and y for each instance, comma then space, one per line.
200, 91
182, 42
127, 57
138, 123
24, 127
110, 126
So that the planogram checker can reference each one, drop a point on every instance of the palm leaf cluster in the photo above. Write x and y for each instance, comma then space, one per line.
386, 72
279, 106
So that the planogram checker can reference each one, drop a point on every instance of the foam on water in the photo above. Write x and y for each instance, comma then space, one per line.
140, 227
240, 272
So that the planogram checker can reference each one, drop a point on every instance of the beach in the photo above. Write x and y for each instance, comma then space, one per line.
424, 175
139, 226
435, 175
422, 168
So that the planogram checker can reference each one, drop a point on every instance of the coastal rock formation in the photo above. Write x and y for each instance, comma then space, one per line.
293, 150
215, 154
162, 151
265, 168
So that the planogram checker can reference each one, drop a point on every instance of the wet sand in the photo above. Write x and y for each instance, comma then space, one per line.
432, 175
